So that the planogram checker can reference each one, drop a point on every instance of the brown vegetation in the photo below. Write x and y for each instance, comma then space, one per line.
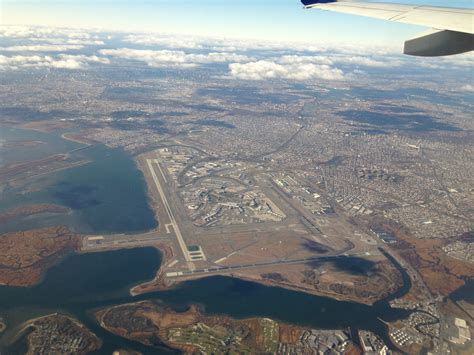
21, 144
192, 332
78, 138
25, 255
10, 171
29, 210
159, 282
325, 279
57, 333
144, 321
441, 273
289, 334
46, 126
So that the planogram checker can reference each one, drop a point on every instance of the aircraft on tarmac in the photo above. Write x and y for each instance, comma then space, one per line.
452, 29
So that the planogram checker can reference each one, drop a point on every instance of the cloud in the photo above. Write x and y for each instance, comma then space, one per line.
263, 69
50, 35
467, 88
304, 67
462, 60
2, 143
368, 62
330, 59
191, 42
69, 41
17, 31
165, 41
168, 58
293, 59
217, 44
62, 61
42, 48
42, 32
249, 59
220, 44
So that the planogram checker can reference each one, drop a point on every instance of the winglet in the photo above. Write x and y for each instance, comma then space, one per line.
440, 43
309, 3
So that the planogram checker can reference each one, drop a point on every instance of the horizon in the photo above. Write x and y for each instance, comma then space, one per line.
284, 21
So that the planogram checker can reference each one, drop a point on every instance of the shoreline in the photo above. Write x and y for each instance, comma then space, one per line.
77, 139
152, 204
41, 266
30, 324
193, 315
161, 282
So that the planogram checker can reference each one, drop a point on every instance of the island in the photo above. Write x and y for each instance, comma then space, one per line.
25, 255
3, 325
30, 210
358, 189
193, 332
58, 334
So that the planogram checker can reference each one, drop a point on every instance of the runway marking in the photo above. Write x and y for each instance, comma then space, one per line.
157, 162
225, 258
173, 263
198, 254
176, 229
232, 268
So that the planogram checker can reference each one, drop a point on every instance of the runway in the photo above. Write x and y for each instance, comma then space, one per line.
176, 229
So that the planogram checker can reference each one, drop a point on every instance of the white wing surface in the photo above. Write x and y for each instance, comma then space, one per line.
452, 33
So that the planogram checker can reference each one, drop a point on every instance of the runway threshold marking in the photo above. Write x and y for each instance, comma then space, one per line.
220, 269
173, 263
225, 258
177, 231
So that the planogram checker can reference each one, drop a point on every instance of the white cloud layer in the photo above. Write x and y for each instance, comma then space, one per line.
233, 44
69, 41
165, 41
216, 44
309, 67
42, 48
467, 88
62, 61
263, 69
50, 35
176, 59
42, 32
389, 62
329, 59
248, 60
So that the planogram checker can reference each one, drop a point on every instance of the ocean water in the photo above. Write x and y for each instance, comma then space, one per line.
86, 282
108, 195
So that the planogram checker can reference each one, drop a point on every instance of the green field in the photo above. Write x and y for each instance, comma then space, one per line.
271, 333
210, 340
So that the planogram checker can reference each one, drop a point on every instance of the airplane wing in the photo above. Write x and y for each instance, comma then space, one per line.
452, 29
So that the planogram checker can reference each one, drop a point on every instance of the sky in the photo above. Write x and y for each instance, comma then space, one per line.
273, 20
